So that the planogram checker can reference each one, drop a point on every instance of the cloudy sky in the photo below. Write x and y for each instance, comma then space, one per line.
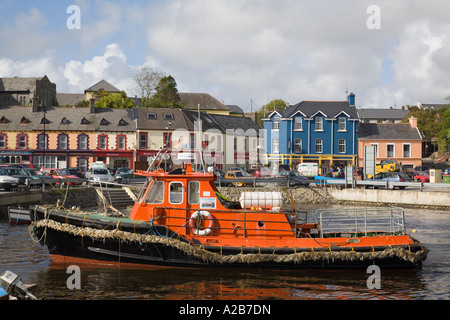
238, 50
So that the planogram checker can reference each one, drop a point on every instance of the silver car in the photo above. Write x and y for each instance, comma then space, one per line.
96, 176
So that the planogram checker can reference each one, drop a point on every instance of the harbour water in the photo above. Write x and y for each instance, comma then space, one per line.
20, 254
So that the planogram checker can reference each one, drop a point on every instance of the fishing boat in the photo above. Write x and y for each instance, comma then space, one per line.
18, 215
180, 219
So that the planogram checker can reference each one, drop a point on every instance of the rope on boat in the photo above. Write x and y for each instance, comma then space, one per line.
211, 257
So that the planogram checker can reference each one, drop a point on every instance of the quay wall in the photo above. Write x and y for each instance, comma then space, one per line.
405, 198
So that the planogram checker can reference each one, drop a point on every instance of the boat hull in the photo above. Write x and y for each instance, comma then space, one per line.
19, 216
122, 242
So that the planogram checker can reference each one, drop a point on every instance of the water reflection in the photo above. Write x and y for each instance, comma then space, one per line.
20, 254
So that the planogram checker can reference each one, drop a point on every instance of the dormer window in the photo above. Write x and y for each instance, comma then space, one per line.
3, 120
122, 122
65, 121
151, 116
24, 121
168, 116
84, 121
45, 121
104, 122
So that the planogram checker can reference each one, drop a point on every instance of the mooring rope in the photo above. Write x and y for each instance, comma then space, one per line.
211, 257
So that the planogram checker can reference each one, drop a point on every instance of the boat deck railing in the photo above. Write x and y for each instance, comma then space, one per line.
241, 225
360, 221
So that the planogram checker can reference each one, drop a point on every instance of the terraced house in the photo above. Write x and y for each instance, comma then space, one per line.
61, 137
325, 132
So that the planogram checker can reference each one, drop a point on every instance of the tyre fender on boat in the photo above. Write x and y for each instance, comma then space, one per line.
193, 222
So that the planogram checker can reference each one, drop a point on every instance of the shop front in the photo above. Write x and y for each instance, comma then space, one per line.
16, 157
116, 159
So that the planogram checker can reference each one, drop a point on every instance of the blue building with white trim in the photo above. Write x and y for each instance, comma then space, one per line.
325, 132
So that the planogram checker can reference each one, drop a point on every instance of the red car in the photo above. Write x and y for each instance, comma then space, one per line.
263, 172
421, 176
64, 175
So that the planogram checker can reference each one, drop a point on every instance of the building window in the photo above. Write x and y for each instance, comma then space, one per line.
376, 148
103, 142
406, 150
298, 123
276, 123
297, 145
63, 141
341, 148
23, 100
275, 145
167, 136
192, 141
83, 142
143, 141
390, 151
319, 124
3, 141
83, 164
319, 148
151, 116
42, 141
22, 141
168, 116
121, 143
341, 124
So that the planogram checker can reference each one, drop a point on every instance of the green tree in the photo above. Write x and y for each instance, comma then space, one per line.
118, 101
266, 109
433, 124
166, 95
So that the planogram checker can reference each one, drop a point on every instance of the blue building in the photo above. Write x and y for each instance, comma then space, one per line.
325, 132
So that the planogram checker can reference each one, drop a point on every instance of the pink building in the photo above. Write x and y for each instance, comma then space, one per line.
394, 141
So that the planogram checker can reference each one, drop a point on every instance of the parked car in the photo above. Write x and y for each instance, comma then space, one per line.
7, 182
421, 176
26, 177
295, 178
263, 172
124, 176
237, 174
421, 168
24, 180
75, 171
98, 175
45, 176
393, 177
64, 176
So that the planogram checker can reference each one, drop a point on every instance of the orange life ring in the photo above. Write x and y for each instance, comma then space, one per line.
193, 222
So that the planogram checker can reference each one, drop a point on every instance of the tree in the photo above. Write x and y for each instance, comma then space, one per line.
266, 109
118, 101
433, 124
147, 80
166, 95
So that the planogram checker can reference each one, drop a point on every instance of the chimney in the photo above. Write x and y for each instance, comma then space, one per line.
92, 106
413, 122
351, 99
34, 104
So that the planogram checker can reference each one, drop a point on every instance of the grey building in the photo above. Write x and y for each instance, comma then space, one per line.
18, 91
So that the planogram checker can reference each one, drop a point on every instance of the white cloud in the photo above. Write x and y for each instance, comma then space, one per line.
239, 50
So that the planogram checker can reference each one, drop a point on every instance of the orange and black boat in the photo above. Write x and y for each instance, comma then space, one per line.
181, 220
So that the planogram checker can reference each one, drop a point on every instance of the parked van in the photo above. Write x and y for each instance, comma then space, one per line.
308, 169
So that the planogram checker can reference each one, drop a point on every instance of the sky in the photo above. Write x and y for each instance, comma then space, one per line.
242, 52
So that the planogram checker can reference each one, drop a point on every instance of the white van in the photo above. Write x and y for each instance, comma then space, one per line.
308, 169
